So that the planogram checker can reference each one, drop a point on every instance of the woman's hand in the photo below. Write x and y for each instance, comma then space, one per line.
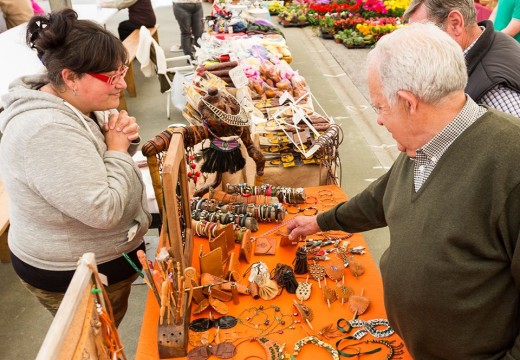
301, 226
120, 131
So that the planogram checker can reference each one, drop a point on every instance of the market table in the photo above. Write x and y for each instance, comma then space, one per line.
369, 284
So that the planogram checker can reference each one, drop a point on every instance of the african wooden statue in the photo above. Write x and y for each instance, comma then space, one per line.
223, 122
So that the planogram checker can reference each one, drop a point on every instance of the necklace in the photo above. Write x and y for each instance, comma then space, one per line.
314, 340
393, 349
368, 327
258, 318
239, 119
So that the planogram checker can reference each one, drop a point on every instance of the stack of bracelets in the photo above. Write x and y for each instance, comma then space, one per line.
206, 228
226, 218
209, 209
284, 194
199, 203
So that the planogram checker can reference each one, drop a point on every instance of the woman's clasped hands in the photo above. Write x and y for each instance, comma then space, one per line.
120, 130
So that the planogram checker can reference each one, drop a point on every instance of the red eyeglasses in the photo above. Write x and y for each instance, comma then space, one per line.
111, 79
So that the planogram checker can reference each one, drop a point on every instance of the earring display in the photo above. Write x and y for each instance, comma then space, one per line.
344, 292
358, 304
303, 292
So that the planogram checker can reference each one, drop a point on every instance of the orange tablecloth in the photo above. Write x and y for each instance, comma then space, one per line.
369, 283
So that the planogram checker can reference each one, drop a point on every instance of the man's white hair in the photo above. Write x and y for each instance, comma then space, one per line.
420, 58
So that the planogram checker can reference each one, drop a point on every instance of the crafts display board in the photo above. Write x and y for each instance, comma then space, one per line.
169, 177
301, 324
82, 327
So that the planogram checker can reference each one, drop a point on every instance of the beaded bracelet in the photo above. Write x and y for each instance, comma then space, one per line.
312, 340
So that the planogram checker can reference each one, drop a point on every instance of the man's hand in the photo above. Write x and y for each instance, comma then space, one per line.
301, 226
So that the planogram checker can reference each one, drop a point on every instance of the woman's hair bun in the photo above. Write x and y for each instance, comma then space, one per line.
49, 31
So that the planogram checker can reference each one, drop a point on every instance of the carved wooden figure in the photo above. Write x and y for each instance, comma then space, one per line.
223, 122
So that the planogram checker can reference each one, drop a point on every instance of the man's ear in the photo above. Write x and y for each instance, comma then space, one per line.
411, 101
454, 24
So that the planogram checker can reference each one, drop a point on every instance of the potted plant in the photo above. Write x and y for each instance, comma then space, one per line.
326, 26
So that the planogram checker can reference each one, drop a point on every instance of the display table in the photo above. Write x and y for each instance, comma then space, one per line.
369, 284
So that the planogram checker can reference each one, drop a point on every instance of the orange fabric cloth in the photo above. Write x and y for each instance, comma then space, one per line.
370, 283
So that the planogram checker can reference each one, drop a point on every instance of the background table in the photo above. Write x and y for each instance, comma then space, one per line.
17, 58
369, 283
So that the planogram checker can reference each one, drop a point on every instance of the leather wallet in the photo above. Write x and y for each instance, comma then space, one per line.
246, 247
265, 246
220, 242
211, 262
285, 241
229, 235
233, 267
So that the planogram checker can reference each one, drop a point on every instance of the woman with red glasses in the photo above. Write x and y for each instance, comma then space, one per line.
65, 160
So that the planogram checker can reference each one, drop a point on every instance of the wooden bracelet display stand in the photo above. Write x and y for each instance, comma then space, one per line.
169, 177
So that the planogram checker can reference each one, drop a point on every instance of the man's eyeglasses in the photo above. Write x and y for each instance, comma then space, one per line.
377, 109
111, 79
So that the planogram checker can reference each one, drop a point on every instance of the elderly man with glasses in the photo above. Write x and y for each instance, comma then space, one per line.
451, 274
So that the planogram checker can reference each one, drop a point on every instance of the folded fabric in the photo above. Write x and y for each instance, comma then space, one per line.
143, 53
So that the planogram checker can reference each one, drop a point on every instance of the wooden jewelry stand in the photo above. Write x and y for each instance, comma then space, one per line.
177, 237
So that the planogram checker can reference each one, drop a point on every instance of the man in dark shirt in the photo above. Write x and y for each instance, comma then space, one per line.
491, 56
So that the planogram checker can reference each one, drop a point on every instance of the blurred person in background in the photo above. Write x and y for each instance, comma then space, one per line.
507, 18
492, 57
140, 13
16, 12
483, 12
189, 16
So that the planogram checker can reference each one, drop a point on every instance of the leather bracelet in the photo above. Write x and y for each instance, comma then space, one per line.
313, 197
290, 211
306, 211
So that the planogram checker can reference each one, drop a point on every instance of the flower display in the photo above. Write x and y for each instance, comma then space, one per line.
396, 8
331, 8
366, 20
373, 8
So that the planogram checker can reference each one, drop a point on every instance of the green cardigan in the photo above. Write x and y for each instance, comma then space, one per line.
451, 274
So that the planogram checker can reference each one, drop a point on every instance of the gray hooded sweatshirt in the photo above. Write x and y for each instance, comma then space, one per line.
68, 194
